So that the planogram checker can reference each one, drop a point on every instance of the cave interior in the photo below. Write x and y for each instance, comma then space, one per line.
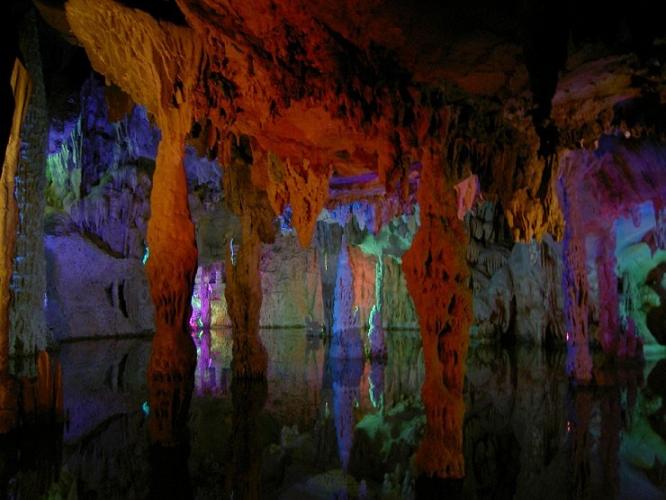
332, 249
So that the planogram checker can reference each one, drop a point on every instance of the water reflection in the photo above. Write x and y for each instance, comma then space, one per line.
323, 427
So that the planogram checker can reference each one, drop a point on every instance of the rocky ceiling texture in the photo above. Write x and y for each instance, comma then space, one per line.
310, 105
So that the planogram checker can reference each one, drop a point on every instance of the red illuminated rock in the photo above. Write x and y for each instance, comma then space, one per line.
437, 277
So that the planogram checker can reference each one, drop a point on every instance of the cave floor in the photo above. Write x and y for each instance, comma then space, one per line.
325, 428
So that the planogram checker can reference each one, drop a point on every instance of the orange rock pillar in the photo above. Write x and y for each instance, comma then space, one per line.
437, 279
157, 65
171, 269
21, 86
243, 289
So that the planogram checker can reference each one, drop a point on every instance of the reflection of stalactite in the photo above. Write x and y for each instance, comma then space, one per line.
437, 278
346, 375
609, 442
170, 474
249, 397
578, 422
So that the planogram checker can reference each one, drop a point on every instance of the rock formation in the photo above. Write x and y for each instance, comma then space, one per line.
438, 280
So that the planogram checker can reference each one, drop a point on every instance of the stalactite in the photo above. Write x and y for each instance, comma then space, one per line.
437, 278
21, 86
346, 337
301, 186
574, 282
376, 332
132, 55
329, 239
609, 300
28, 327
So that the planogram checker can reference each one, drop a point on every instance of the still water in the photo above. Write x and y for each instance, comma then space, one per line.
320, 428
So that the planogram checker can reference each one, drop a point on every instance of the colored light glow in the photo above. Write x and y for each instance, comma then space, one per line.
146, 255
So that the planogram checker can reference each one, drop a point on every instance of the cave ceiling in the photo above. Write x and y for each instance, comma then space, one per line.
359, 92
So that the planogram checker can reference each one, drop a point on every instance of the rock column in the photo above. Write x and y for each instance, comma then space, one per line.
437, 278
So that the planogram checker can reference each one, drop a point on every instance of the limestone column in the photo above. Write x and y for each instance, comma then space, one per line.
171, 270
437, 278
609, 301
157, 64
243, 289
28, 326
574, 282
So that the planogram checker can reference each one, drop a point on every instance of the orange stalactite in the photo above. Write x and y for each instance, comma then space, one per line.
437, 278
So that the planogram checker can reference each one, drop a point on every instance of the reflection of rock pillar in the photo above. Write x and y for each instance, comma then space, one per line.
171, 269
609, 328
248, 397
609, 444
329, 239
580, 408
437, 279
575, 291
346, 340
376, 331
8, 218
346, 379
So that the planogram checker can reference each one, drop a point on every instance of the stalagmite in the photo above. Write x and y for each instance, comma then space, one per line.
21, 86
171, 269
437, 279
